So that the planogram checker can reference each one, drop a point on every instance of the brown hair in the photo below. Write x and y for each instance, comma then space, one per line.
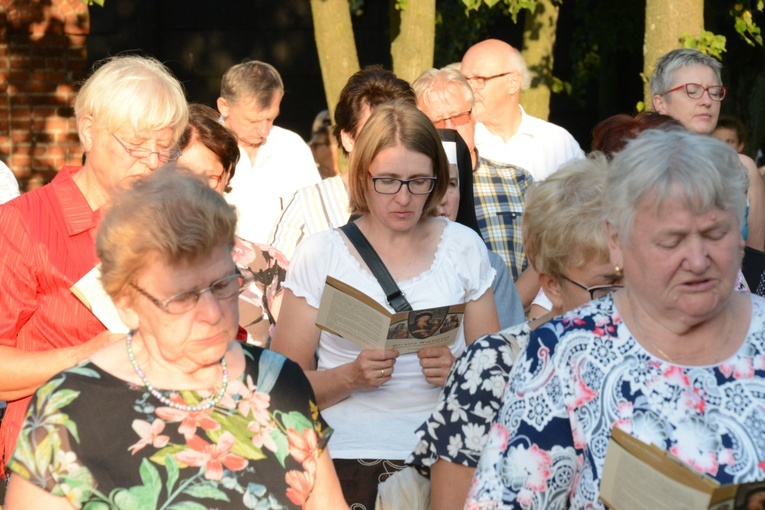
204, 125
372, 86
612, 134
393, 125
171, 214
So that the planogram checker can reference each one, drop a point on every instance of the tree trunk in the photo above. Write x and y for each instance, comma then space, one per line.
538, 42
665, 22
336, 47
413, 35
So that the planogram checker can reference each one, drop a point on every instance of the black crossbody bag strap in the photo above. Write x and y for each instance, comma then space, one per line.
392, 292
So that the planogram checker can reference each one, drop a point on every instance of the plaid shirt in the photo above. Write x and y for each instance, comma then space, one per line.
499, 190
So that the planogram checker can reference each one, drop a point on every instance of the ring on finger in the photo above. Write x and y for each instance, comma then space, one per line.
382, 371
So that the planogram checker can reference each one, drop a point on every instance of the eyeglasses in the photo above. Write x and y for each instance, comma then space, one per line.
596, 291
479, 82
459, 119
142, 152
182, 302
391, 185
695, 91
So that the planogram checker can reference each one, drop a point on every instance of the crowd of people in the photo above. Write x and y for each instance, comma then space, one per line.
551, 296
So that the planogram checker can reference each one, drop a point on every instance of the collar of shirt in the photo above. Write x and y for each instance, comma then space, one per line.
77, 213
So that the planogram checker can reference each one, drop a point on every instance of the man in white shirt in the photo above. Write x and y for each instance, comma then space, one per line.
274, 162
497, 73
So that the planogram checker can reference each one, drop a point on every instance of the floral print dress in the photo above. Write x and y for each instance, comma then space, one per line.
458, 428
104, 443
582, 374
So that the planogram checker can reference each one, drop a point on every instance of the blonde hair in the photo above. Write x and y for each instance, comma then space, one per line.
392, 125
171, 215
563, 223
134, 91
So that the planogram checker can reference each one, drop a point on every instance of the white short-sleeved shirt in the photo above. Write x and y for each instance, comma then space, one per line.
538, 146
380, 423
260, 190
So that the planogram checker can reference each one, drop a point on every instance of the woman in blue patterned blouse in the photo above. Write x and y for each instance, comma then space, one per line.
676, 358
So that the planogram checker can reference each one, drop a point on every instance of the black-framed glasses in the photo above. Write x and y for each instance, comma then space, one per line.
479, 82
695, 91
596, 291
225, 288
391, 185
459, 119
142, 152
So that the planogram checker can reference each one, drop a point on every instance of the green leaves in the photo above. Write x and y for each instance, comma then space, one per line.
142, 496
171, 465
744, 24
206, 491
707, 43
514, 7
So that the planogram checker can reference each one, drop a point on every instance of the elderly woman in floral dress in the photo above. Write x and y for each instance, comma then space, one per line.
177, 414
676, 358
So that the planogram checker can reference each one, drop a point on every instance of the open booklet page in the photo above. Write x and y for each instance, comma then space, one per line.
640, 476
351, 314
90, 291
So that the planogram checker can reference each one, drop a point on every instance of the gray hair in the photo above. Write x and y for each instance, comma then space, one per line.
667, 64
704, 171
434, 80
252, 80
519, 65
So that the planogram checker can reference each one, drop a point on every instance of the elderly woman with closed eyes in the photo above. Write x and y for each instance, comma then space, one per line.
676, 358
177, 413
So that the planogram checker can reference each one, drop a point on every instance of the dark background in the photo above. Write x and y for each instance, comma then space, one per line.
598, 50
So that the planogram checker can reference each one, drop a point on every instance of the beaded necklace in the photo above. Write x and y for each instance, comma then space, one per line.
208, 403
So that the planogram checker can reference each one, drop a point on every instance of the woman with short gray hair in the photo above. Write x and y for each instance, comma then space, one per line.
674, 358
687, 85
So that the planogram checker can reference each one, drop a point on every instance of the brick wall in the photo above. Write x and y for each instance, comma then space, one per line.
42, 58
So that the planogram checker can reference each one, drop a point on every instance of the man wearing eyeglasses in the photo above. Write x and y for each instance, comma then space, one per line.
505, 132
274, 162
498, 188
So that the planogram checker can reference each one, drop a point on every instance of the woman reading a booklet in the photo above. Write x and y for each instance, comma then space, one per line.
375, 399
676, 358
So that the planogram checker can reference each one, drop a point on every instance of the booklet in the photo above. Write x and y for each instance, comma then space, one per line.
90, 291
351, 314
640, 476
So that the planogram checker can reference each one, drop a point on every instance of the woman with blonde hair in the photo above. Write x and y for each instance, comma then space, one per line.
565, 237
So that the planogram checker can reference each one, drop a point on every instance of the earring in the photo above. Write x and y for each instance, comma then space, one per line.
618, 270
